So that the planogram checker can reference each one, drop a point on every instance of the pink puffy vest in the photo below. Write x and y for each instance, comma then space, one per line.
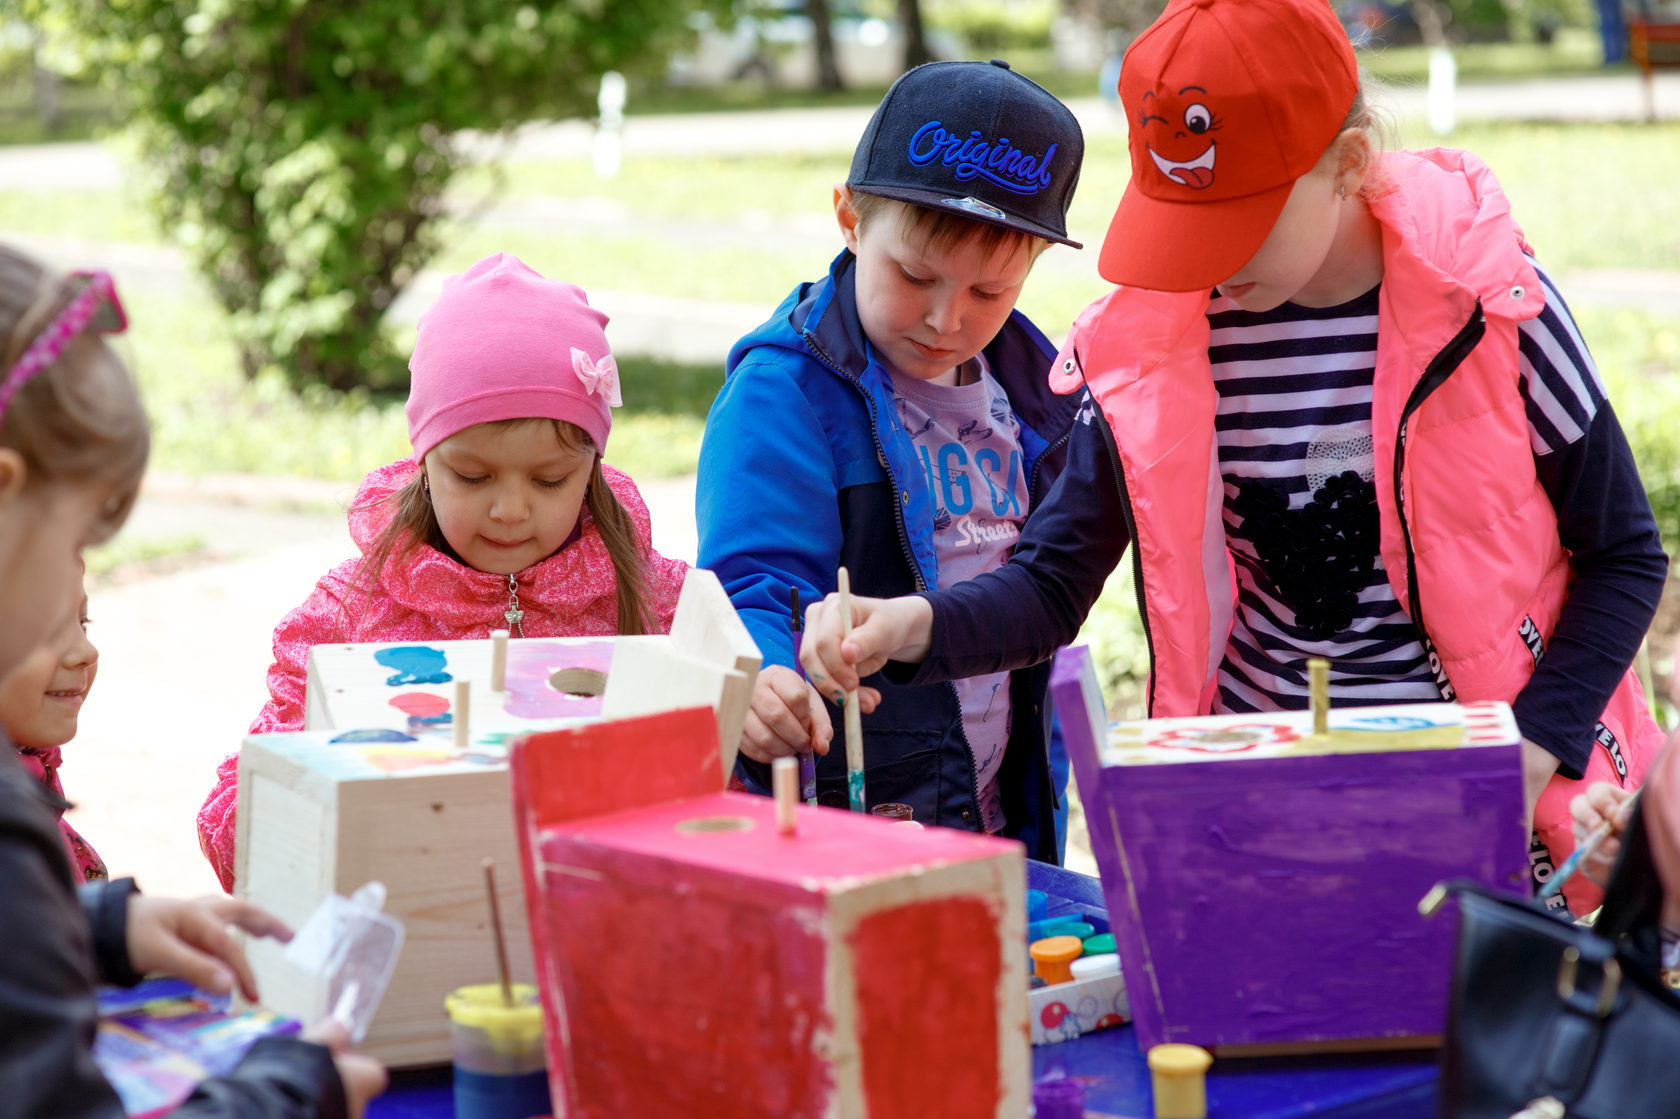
1465, 525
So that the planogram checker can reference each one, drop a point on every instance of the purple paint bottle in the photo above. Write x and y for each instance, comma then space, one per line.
1058, 1098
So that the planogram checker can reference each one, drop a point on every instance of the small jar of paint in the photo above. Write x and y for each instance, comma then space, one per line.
1052, 955
1178, 1074
1058, 1098
1099, 944
893, 811
501, 1071
1092, 967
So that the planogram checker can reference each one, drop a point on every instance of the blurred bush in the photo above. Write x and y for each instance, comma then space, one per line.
300, 152
989, 28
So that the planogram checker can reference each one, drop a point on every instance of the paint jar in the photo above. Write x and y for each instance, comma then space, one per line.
501, 1071
1052, 955
893, 811
1060, 926
1058, 1098
1178, 1074
1091, 967
1097, 945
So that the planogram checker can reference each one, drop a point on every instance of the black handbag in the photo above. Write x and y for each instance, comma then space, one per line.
1552, 1020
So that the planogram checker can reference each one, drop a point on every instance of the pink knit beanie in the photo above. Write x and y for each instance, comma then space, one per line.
503, 343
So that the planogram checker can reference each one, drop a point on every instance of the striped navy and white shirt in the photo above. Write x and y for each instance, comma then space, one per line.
1294, 430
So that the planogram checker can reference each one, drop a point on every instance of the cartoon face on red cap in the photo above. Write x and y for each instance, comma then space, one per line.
1178, 130
1228, 102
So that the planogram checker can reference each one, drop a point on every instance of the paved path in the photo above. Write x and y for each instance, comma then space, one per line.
1589, 97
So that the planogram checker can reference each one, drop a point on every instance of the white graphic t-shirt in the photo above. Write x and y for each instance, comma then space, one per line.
969, 444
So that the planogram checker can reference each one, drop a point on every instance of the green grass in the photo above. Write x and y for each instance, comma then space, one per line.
1575, 50
689, 187
1589, 196
95, 215
207, 419
85, 112
750, 273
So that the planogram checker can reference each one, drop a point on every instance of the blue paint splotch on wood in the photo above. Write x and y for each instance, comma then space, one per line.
414, 664
374, 734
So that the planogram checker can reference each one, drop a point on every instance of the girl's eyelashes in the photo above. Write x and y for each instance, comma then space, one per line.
473, 480
988, 296
911, 278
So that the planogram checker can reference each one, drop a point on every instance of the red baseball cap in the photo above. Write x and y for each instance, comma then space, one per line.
1227, 103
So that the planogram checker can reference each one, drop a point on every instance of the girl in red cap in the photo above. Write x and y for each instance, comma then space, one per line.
504, 517
1342, 412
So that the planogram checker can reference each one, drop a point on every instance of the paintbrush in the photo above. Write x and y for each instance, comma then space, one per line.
496, 930
807, 758
1588, 845
853, 717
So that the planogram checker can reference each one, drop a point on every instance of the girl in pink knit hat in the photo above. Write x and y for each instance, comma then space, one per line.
503, 518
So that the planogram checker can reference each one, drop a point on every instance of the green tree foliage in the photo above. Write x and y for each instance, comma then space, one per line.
302, 149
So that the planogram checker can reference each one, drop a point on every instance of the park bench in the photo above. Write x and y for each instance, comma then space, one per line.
1653, 41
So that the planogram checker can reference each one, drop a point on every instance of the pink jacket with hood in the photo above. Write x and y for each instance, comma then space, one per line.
428, 596
1469, 537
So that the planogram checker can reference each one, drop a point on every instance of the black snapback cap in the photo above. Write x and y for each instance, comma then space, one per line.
978, 139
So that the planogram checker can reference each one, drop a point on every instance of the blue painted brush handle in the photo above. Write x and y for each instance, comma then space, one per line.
1573, 862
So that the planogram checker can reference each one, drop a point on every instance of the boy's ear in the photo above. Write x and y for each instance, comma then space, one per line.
846, 216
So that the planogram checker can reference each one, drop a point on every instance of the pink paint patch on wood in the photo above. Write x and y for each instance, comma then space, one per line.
929, 970
831, 843
531, 666
420, 705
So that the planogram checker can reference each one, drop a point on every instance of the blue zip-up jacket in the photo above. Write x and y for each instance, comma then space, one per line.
805, 467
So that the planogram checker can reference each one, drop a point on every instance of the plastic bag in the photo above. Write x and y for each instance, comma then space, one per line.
353, 945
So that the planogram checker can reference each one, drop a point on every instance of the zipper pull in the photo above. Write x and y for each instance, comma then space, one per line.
514, 614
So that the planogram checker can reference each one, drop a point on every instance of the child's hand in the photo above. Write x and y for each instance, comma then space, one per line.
193, 940
363, 1077
1600, 802
1539, 764
786, 717
883, 629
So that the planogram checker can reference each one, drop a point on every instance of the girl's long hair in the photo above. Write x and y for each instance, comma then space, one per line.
413, 523
79, 421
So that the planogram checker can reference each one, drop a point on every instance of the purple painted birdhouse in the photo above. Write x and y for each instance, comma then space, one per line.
1263, 881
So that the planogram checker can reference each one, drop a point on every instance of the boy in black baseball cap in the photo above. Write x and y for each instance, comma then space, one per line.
894, 418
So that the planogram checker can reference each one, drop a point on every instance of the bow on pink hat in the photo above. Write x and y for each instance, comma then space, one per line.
600, 379
504, 343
